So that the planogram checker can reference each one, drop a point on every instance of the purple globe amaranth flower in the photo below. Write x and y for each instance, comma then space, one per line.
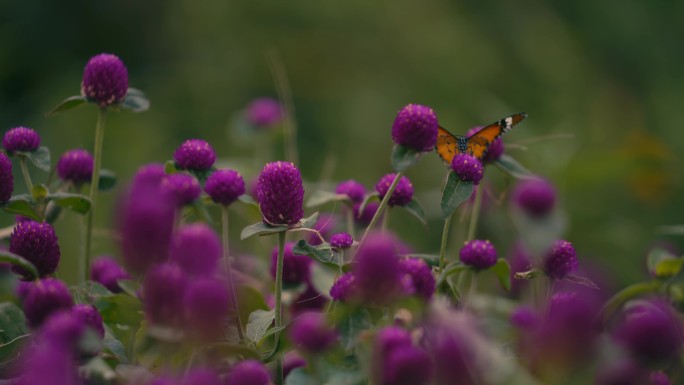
75, 166
90, 317
183, 188
386, 341
310, 300
659, 378
311, 334
201, 376
291, 362
495, 149
520, 261
341, 240
150, 173
280, 193
418, 276
105, 80
468, 168
402, 194
366, 216
296, 268
377, 271
6, 178
249, 372
353, 189
407, 366
48, 364
206, 308
22, 139
478, 254
163, 380
264, 112
63, 328
344, 288
561, 260
535, 197
324, 225
45, 297
163, 294
195, 154
415, 127
196, 248
107, 272
224, 186
524, 317
37, 243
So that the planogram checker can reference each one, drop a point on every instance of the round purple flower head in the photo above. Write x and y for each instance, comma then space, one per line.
416, 127
264, 112
407, 366
418, 276
344, 288
353, 189
6, 178
364, 218
201, 376
402, 194
659, 378
107, 272
386, 341
468, 168
195, 154
224, 186
535, 197
105, 80
292, 361
45, 297
561, 260
90, 317
150, 173
524, 317
196, 249
163, 293
478, 254
63, 328
48, 364
311, 334
280, 193
296, 268
75, 166
206, 308
184, 188
249, 372
310, 300
36, 242
651, 331
341, 240
495, 149
21, 139
377, 270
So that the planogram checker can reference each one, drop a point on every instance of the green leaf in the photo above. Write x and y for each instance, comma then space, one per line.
250, 300
451, 269
202, 175
321, 197
129, 286
261, 229
170, 167
258, 324
321, 253
404, 157
22, 205
67, 104
12, 322
16, 260
115, 347
39, 157
351, 324
309, 222
40, 191
120, 309
135, 101
455, 192
107, 180
662, 264
201, 212
248, 200
626, 294
74, 202
416, 209
511, 167
322, 279
503, 273
10, 350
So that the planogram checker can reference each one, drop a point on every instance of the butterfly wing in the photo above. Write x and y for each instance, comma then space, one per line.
479, 142
446, 146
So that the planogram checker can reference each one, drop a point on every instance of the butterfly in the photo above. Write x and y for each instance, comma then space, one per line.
448, 145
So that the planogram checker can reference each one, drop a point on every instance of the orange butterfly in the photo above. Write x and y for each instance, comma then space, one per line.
448, 145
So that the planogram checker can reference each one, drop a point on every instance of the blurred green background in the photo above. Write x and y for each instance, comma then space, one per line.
602, 84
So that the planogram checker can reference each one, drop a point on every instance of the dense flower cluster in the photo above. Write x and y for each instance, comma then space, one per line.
22, 139
402, 194
105, 80
280, 193
75, 166
416, 127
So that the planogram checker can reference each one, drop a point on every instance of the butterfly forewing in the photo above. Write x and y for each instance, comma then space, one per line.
446, 146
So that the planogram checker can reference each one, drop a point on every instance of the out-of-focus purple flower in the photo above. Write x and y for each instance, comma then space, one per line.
377, 270
311, 334
621, 372
387, 340
659, 378
309, 300
91, 317
324, 225
524, 317
45, 297
344, 288
341, 240
561, 260
535, 197
280, 193
495, 149
415, 127
196, 248
296, 268
105, 80
184, 188
419, 276
63, 328
264, 112
37, 243
364, 218
353, 189
75, 166
195, 154
21, 139
468, 168
164, 380
201, 376
107, 272
402, 194
206, 307
224, 186
48, 364
478, 254
407, 366
249, 372
520, 262
163, 293
6, 178
150, 173
291, 362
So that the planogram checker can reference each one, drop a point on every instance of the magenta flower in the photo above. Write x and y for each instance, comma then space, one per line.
364, 217
341, 240
249, 372
264, 112
468, 168
206, 308
163, 293
75, 166
37, 243
377, 270
195, 154
6, 178
183, 188
402, 194
107, 272
535, 197
45, 297
90, 317
21, 139
311, 334
478, 254
418, 277
296, 268
280, 193
201, 376
407, 366
196, 248
415, 127
224, 186
561, 260
353, 189
105, 80
344, 288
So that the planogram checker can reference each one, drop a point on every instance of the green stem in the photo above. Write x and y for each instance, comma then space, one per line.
471, 290
475, 214
382, 206
25, 172
442, 249
350, 220
94, 181
285, 95
229, 270
278, 304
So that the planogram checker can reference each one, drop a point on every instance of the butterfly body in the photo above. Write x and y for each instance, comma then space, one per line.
449, 145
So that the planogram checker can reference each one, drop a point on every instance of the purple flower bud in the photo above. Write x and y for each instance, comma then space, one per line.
45, 297
64, 329
224, 186
75, 166
163, 291
561, 260
107, 272
377, 271
402, 194
407, 366
416, 127
280, 193
183, 188
520, 261
353, 189
495, 149
195, 154
310, 300
659, 378
651, 331
296, 268
386, 341
468, 168
264, 112
90, 317
150, 173
249, 372
478, 254
21, 139
324, 225
206, 308
524, 317
196, 249
105, 80
37, 243
535, 197
344, 288
201, 376
163, 380
291, 362
419, 276
48, 364
454, 344
364, 218
6, 178
311, 334
341, 240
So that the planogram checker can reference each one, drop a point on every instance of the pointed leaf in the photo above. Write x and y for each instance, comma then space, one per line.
662, 264
455, 192
135, 101
107, 180
321, 197
40, 191
416, 209
404, 157
120, 309
511, 167
503, 273
258, 324
67, 104
624, 295
248, 200
309, 222
17, 260
130, 287
39, 157
451, 269
261, 228
21, 205
74, 202
12, 322
322, 253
